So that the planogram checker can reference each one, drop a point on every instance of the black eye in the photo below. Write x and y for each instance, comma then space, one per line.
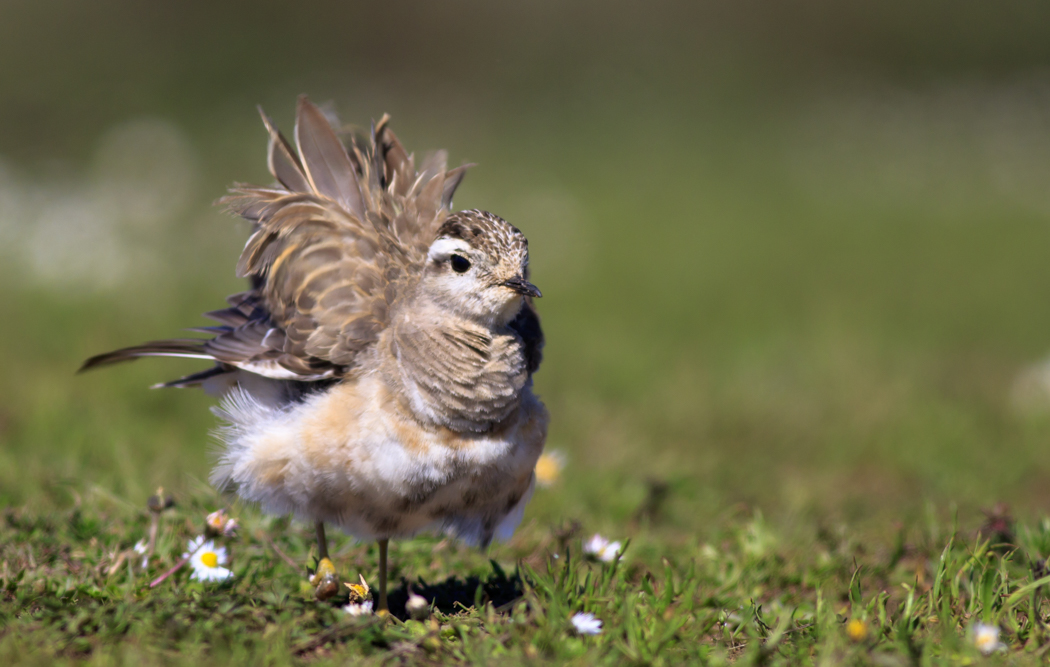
459, 264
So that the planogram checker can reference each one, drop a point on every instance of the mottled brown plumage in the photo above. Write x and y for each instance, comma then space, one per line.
377, 374
341, 236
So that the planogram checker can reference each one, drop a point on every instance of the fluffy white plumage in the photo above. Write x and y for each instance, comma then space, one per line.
343, 457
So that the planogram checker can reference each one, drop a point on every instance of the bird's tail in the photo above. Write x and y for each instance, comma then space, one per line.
191, 348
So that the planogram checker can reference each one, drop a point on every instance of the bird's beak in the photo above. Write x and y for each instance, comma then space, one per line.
522, 286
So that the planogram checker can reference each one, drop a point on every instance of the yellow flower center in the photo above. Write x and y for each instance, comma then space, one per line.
985, 640
210, 558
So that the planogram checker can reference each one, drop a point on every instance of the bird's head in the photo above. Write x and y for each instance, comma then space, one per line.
479, 267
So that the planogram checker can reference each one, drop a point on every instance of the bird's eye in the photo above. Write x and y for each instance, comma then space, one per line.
459, 264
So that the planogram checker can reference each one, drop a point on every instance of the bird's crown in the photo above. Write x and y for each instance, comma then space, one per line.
479, 264
489, 234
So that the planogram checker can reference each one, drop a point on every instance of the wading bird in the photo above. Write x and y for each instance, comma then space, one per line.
377, 375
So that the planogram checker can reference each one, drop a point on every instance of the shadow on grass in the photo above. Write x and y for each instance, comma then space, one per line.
455, 593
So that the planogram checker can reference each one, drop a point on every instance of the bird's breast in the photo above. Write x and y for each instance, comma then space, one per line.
458, 376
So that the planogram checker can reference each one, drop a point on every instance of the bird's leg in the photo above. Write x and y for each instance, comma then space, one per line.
325, 580
322, 543
382, 574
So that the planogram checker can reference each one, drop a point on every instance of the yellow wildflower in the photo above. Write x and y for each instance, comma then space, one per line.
548, 467
359, 592
857, 630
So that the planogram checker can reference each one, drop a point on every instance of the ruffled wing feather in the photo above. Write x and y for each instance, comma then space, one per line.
334, 243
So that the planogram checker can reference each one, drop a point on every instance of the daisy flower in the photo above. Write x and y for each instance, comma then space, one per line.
986, 638
602, 549
219, 523
206, 560
586, 624
359, 608
548, 467
142, 549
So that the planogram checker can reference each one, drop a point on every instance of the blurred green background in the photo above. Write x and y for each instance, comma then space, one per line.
793, 254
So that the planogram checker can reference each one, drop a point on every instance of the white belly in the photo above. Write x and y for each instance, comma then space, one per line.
351, 458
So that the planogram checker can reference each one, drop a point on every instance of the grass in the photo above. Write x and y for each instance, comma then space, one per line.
801, 433
794, 275
74, 590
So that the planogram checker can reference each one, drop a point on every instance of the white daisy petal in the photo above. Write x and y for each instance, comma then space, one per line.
359, 608
586, 624
986, 638
193, 546
595, 545
602, 549
212, 574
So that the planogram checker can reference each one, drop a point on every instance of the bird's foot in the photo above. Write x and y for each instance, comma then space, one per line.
325, 580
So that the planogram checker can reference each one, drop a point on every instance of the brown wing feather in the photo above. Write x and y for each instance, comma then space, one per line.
281, 159
331, 271
333, 243
325, 160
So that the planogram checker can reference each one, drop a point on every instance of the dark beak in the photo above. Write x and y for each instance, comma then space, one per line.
522, 286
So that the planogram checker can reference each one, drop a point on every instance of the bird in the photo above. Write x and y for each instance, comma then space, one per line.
377, 374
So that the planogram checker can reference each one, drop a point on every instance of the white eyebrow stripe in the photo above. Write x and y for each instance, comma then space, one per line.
444, 247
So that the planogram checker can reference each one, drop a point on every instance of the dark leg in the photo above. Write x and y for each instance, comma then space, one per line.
382, 574
325, 580
322, 543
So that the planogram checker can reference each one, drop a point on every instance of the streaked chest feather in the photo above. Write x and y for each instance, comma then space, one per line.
457, 375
